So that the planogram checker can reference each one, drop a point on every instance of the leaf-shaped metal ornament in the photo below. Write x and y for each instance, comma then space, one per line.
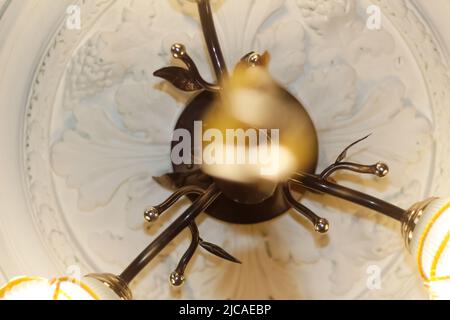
218, 251
343, 155
181, 78
176, 180
167, 181
379, 169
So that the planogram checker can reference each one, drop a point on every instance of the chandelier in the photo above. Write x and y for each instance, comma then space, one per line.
249, 98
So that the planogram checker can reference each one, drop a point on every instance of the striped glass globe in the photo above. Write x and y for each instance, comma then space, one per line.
65, 288
427, 234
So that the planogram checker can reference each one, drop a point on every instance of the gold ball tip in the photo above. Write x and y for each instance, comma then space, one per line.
151, 214
178, 50
176, 279
322, 226
382, 169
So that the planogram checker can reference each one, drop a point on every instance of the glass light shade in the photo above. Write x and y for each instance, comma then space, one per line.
36, 288
427, 234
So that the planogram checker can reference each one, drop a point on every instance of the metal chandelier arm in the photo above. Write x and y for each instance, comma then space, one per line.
316, 183
320, 224
379, 169
177, 277
203, 202
152, 214
211, 39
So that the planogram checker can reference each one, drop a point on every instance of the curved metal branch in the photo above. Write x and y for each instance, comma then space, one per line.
321, 225
177, 277
380, 169
152, 214
179, 52
202, 203
212, 41
187, 80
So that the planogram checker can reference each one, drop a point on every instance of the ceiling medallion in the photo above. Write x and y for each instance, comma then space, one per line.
226, 192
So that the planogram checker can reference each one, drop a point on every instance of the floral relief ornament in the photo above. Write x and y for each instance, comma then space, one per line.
107, 148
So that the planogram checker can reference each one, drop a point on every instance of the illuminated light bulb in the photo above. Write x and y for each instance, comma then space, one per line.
94, 287
426, 230
253, 104
255, 118
27, 288
277, 165
439, 290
